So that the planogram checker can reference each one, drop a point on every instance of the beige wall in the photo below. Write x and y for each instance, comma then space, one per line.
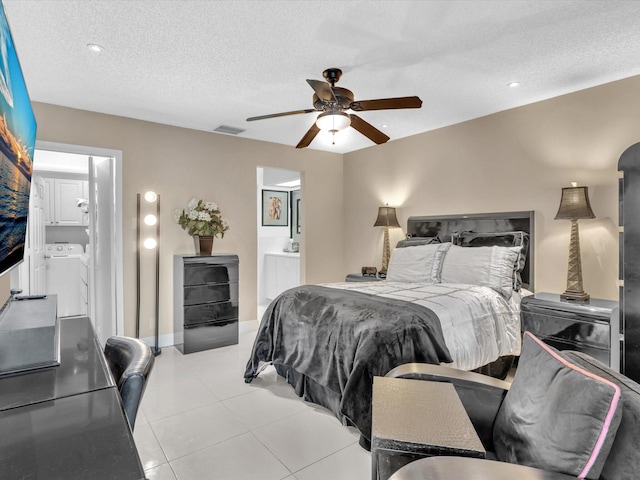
4, 289
180, 164
513, 160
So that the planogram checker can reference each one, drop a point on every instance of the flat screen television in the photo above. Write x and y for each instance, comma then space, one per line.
17, 143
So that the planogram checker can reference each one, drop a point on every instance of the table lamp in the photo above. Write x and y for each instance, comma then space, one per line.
386, 218
574, 205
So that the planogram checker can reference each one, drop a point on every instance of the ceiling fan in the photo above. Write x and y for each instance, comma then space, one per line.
333, 103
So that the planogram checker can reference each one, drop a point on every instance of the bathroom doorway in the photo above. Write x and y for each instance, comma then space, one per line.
279, 240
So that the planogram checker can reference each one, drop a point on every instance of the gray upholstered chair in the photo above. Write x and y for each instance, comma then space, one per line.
130, 361
581, 420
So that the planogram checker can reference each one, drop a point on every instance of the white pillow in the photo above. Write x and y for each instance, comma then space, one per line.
485, 266
419, 264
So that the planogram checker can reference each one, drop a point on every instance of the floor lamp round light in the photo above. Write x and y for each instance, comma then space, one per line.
574, 205
386, 219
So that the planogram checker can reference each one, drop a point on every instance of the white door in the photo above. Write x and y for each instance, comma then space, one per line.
49, 215
36, 226
30, 277
102, 303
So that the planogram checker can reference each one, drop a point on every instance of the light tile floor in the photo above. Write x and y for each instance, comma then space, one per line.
199, 420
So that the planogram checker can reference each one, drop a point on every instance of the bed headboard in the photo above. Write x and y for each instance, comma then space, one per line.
446, 225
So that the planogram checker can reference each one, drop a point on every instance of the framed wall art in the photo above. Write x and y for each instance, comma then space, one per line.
294, 201
275, 208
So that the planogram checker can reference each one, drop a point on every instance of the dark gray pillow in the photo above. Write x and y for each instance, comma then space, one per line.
557, 416
623, 461
491, 239
415, 241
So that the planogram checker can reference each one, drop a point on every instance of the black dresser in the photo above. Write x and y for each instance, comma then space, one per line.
205, 301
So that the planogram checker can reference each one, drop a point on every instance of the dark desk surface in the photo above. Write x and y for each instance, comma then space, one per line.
84, 436
82, 369
66, 422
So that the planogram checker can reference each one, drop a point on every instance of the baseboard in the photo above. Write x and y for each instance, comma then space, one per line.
168, 340
165, 340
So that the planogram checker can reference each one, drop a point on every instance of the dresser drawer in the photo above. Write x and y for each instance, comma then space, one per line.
207, 293
569, 331
202, 273
209, 312
211, 335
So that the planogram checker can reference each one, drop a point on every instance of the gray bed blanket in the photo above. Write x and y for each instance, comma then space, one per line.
342, 339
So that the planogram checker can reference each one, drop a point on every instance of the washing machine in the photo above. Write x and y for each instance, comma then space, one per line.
64, 273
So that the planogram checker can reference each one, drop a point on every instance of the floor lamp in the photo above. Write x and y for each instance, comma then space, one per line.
386, 218
574, 205
150, 242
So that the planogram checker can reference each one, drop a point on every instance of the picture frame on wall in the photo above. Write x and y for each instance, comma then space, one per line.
294, 202
275, 208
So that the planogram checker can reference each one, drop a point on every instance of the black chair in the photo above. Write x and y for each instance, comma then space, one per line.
130, 361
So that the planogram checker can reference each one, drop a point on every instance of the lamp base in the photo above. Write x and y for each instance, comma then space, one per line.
575, 296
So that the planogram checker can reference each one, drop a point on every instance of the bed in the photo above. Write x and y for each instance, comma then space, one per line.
451, 296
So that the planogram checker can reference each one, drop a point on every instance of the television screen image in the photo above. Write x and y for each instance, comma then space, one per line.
17, 142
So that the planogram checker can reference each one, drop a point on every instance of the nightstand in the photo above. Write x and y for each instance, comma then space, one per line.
591, 327
358, 277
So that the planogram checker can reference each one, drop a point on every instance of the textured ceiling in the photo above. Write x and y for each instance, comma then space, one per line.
202, 64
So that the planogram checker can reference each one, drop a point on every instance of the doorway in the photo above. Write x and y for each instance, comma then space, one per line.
278, 240
80, 197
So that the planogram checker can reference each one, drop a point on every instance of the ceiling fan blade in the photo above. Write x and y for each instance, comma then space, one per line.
273, 115
386, 104
323, 90
368, 130
309, 136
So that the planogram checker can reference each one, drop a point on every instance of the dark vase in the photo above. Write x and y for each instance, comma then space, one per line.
204, 244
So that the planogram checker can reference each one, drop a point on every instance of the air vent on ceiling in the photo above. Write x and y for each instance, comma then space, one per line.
229, 130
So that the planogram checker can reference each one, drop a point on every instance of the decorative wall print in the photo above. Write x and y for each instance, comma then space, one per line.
275, 208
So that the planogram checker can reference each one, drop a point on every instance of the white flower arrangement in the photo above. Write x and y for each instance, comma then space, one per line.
202, 218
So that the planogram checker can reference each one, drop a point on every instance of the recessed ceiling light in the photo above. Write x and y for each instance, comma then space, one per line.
385, 126
513, 84
94, 47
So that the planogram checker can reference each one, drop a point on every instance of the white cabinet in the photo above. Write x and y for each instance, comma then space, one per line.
62, 196
282, 272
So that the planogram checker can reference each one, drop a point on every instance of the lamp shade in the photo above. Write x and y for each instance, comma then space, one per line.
386, 217
333, 121
574, 204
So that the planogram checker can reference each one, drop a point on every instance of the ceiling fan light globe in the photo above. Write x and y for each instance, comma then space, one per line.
333, 121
